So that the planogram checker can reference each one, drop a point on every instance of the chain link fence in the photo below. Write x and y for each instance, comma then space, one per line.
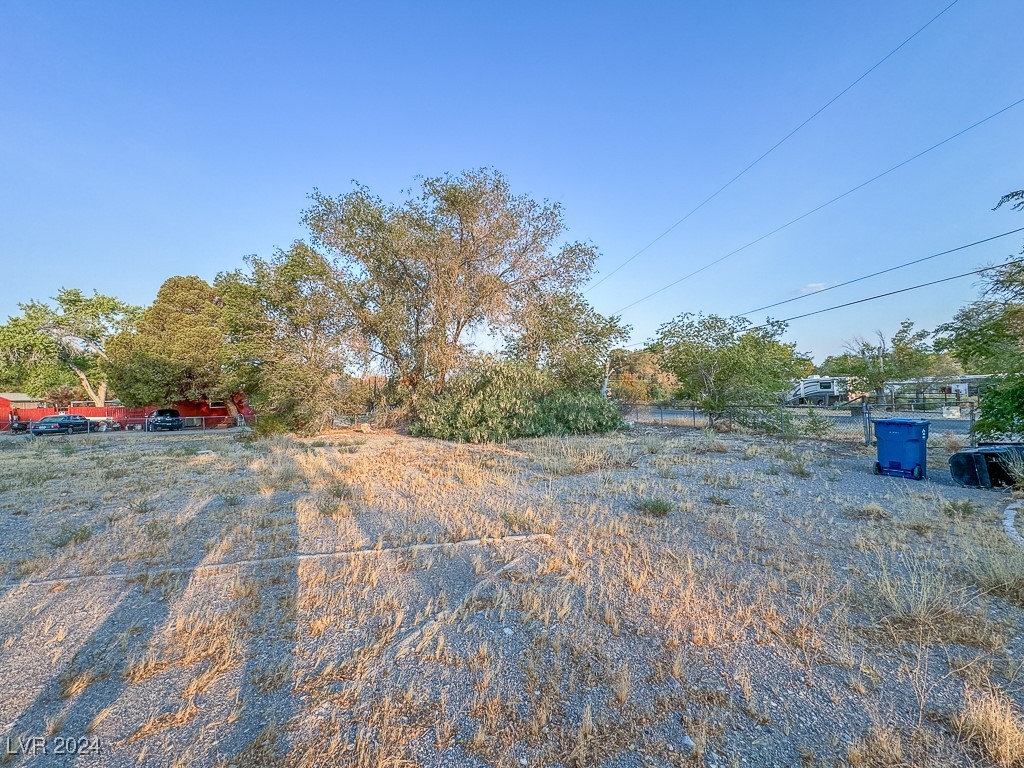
139, 424
849, 422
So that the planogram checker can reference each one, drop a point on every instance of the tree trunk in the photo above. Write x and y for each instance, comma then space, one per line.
96, 397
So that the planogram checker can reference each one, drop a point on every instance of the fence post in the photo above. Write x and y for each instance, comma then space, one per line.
204, 422
866, 410
971, 436
693, 408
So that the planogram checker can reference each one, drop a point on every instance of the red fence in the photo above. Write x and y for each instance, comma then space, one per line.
120, 417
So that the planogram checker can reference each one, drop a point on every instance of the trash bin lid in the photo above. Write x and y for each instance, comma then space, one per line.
908, 422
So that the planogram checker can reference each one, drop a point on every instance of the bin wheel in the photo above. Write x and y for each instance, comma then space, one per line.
877, 469
918, 473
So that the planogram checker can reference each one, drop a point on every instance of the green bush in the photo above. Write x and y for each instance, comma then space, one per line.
496, 401
1002, 411
817, 425
268, 424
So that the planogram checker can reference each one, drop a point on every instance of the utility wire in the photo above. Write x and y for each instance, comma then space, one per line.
883, 271
890, 293
861, 301
775, 146
818, 208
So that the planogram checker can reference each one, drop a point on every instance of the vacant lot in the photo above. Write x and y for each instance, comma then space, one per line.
658, 598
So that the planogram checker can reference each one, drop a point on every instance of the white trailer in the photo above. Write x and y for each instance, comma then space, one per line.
818, 390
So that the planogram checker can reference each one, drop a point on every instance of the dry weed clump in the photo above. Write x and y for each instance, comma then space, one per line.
1000, 572
918, 603
951, 441
870, 511
576, 456
990, 723
880, 747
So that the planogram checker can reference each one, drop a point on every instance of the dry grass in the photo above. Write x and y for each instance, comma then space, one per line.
919, 603
575, 456
880, 747
1000, 571
684, 596
990, 723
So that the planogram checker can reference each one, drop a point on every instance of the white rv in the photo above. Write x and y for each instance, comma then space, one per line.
818, 390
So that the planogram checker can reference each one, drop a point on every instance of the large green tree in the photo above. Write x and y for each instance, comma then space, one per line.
291, 339
987, 336
54, 344
176, 349
637, 376
872, 363
721, 361
565, 336
464, 255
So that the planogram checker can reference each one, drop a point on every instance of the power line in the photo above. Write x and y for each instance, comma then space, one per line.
890, 293
883, 271
818, 208
775, 146
862, 301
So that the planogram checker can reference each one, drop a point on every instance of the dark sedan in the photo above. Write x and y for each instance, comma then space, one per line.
60, 425
165, 418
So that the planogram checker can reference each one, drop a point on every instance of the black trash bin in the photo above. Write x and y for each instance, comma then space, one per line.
987, 466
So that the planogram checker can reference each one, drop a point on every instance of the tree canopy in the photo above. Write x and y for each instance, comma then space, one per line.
721, 361
871, 363
562, 334
50, 345
987, 336
289, 337
464, 255
175, 350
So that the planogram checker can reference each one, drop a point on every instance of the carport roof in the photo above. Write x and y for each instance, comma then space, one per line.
18, 397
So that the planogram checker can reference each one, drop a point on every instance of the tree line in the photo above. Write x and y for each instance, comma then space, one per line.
385, 307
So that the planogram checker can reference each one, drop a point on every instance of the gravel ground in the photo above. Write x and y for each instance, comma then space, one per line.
662, 597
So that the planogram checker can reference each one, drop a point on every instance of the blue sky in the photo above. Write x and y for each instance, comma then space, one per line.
141, 140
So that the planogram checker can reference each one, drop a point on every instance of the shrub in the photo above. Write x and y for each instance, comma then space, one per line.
69, 535
990, 722
817, 425
270, 424
655, 507
497, 401
1002, 412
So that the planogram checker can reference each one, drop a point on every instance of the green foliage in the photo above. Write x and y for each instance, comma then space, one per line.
270, 424
724, 361
465, 254
290, 336
656, 507
175, 350
817, 426
872, 363
498, 401
1002, 411
64, 343
987, 336
983, 337
565, 336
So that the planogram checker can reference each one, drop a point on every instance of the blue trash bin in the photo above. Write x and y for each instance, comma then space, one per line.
902, 447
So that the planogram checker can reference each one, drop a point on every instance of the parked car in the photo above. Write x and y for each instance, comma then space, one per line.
165, 418
60, 425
